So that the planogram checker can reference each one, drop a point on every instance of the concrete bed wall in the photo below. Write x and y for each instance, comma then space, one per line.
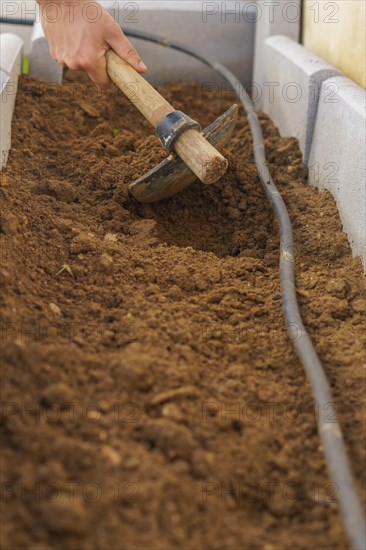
311, 100
11, 51
305, 96
18, 10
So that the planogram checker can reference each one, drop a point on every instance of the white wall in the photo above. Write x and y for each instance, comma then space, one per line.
223, 31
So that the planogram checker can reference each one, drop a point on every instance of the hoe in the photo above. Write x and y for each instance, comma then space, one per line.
196, 155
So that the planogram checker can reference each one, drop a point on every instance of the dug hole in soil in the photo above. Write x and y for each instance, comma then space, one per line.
152, 398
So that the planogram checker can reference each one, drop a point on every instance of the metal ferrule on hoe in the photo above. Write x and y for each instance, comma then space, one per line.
172, 126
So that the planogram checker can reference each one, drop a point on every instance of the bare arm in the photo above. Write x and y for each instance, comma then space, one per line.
80, 32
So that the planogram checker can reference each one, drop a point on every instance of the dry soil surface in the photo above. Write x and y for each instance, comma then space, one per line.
152, 398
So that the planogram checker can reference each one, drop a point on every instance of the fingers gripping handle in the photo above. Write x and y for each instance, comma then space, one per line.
197, 153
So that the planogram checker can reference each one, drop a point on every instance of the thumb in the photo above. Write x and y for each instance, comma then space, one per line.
123, 47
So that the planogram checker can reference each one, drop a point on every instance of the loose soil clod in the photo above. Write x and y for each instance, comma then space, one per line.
166, 395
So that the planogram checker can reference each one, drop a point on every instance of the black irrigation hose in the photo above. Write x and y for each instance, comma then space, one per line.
329, 430
20, 22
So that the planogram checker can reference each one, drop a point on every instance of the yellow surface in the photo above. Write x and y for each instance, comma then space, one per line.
336, 31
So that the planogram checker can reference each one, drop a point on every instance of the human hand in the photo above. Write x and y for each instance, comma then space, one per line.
80, 33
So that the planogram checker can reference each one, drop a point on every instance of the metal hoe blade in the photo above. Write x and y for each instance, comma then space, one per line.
172, 174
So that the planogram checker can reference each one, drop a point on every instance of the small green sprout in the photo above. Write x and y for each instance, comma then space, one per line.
25, 65
115, 132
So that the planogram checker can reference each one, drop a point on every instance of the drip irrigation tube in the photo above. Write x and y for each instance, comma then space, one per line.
330, 432
20, 22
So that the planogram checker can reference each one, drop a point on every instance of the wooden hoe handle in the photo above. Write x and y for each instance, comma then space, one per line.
197, 153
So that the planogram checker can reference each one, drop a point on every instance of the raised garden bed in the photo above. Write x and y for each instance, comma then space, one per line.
148, 370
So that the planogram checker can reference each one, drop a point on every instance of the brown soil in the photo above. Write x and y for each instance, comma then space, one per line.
151, 396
